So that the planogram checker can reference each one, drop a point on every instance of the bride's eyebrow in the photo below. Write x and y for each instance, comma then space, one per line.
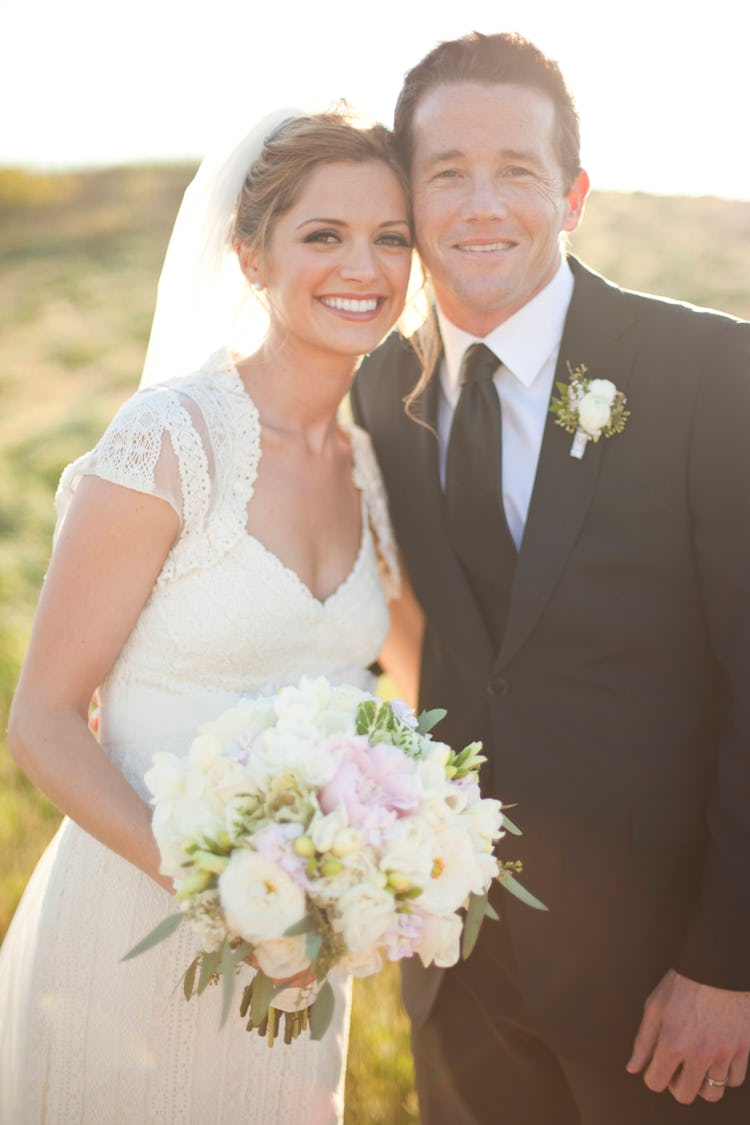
343, 223
330, 222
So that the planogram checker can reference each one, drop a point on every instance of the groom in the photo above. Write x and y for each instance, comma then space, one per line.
587, 616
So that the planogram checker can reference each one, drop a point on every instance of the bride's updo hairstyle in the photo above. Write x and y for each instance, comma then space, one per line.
292, 152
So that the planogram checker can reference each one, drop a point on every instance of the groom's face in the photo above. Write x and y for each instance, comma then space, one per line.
490, 201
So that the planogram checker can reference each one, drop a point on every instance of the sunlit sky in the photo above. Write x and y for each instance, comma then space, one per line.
661, 85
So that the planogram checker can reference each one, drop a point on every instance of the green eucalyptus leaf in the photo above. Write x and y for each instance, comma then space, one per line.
490, 912
313, 943
305, 926
262, 995
511, 884
243, 950
509, 826
227, 980
209, 965
428, 719
164, 930
321, 1012
188, 981
475, 913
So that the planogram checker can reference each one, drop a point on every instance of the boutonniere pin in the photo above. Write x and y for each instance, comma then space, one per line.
589, 409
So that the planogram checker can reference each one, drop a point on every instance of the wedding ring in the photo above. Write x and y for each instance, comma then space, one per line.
717, 1083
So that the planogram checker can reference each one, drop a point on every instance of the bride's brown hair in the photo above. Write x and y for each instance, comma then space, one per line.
296, 148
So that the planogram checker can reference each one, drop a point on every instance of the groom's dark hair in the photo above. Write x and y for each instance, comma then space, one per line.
489, 59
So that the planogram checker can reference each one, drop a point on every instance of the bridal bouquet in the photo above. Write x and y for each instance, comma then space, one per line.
322, 827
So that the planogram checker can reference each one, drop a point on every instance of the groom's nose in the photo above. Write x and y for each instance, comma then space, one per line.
486, 198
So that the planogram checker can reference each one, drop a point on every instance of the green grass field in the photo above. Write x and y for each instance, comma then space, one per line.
80, 255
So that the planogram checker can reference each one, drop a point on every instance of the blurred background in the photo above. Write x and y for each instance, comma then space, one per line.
105, 116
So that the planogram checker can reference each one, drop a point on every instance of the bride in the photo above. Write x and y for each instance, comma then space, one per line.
227, 534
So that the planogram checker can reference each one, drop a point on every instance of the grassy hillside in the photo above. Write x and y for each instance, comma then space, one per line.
79, 258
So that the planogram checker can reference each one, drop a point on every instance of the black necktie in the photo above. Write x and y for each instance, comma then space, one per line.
476, 518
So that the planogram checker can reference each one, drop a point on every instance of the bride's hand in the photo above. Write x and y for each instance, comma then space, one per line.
302, 979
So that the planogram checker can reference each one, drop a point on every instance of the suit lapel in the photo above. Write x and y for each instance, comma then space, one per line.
599, 333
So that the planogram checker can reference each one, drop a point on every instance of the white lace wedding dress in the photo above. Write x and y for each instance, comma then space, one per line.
85, 1038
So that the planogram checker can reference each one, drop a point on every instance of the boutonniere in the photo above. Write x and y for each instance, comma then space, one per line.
589, 409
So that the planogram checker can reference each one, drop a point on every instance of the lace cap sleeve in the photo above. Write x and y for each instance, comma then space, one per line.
153, 446
367, 478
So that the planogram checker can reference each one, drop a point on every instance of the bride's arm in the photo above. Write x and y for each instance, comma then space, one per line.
401, 653
111, 549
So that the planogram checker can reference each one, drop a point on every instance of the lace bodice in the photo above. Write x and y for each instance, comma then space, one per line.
226, 615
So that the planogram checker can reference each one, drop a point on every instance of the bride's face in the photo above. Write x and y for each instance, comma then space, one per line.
338, 261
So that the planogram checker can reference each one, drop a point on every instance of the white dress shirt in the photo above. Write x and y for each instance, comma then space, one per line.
528, 344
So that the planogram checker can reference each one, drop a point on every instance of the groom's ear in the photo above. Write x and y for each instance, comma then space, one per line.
576, 201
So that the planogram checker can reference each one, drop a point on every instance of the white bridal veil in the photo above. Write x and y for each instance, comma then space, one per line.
203, 299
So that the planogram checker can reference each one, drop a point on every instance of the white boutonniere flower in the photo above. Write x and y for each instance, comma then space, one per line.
589, 409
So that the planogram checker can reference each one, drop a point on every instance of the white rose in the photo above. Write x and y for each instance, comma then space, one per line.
361, 964
260, 900
593, 414
603, 388
365, 913
441, 940
282, 957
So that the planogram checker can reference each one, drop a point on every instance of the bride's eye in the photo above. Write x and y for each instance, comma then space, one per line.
323, 236
392, 238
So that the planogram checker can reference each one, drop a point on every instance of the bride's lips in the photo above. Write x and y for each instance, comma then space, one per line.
349, 307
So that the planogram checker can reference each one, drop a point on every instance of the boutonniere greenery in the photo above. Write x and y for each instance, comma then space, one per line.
589, 409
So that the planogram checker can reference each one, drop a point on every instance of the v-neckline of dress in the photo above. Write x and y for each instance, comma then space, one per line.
276, 560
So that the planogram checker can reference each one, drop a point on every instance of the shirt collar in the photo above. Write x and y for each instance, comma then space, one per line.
524, 342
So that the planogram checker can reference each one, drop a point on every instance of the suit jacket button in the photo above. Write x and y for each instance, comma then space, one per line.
499, 686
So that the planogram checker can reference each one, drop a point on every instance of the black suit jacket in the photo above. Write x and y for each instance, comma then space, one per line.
617, 709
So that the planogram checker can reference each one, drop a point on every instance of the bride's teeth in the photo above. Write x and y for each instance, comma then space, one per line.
351, 304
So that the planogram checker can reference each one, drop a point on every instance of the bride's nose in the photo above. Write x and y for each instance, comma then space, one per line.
359, 263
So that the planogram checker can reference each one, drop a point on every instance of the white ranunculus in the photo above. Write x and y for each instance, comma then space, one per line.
457, 870
347, 841
602, 388
365, 913
593, 414
485, 820
282, 957
441, 940
409, 851
300, 753
260, 900
324, 827
240, 724
302, 702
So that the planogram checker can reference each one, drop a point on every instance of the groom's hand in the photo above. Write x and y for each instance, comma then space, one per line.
690, 1032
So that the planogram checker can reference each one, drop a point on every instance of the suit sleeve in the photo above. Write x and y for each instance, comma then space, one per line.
716, 949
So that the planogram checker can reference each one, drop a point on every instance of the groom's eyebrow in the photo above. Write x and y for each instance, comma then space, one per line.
504, 154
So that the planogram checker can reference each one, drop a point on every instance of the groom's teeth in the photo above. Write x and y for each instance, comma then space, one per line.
351, 304
486, 247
